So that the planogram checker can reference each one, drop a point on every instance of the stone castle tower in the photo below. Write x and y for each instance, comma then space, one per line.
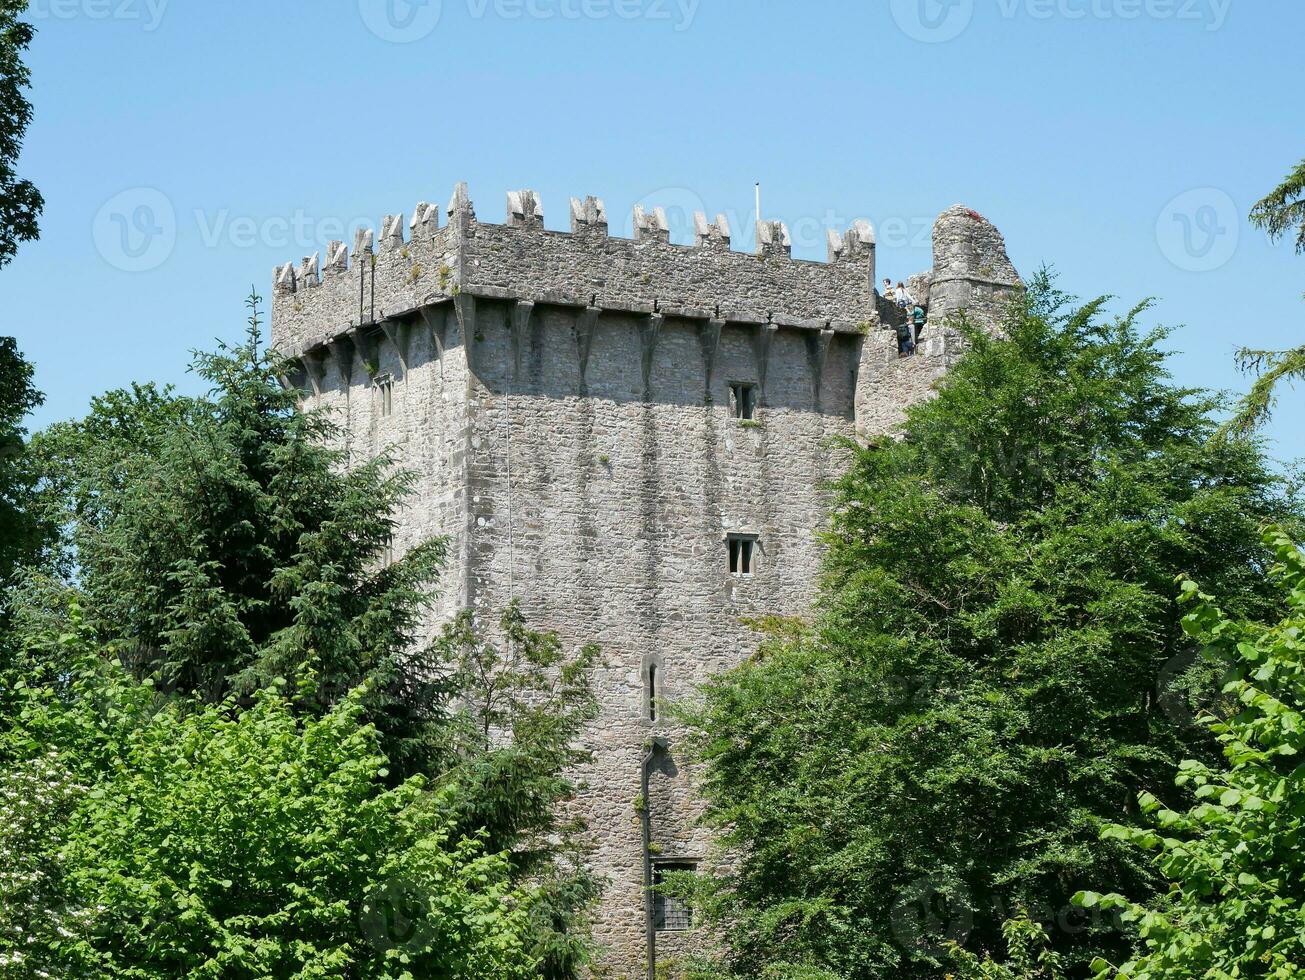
630, 438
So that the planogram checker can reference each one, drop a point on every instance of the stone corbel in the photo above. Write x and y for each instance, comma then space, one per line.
437, 324
399, 334
314, 370
522, 311
762, 341
364, 342
649, 332
817, 353
343, 349
464, 308
586, 325
709, 339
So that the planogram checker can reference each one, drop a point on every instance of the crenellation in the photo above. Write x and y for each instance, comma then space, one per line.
425, 221
711, 235
854, 245
363, 241
773, 240
308, 275
337, 259
651, 226
588, 217
392, 232
284, 278
525, 210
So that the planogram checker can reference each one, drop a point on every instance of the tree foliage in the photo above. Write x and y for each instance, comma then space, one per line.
1278, 214
220, 542
510, 746
989, 674
144, 838
20, 202
1028, 956
22, 535
1236, 905
1282, 212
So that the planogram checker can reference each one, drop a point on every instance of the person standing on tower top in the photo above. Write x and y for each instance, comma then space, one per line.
904, 299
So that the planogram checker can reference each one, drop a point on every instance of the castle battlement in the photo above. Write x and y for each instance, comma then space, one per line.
418, 263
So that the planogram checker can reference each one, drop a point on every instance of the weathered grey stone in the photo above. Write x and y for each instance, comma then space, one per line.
392, 232
362, 241
308, 274
773, 239
525, 210
337, 259
564, 400
425, 220
714, 235
588, 216
651, 226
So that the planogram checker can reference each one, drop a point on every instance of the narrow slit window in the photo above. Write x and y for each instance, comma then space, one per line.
670, 914
743, 400
385, 394
652, 692
743, 554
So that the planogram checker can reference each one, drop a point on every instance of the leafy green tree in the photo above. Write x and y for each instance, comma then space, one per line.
987, 679
144, 839
1028, 956
220, 542
1236, 905
22, 536
1280, 214
510, 746
20, 202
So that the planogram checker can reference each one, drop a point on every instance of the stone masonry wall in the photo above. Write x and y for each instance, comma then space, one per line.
565, 402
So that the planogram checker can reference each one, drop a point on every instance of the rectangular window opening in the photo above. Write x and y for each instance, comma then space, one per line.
743, 400
743, 554
385, 393
670, 914
652, 692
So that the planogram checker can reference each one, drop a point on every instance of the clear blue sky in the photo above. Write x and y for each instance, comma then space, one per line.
1121, 140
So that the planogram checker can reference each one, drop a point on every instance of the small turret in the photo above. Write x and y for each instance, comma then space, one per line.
971, 270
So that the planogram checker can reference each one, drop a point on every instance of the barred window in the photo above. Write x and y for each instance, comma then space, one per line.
670, 914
